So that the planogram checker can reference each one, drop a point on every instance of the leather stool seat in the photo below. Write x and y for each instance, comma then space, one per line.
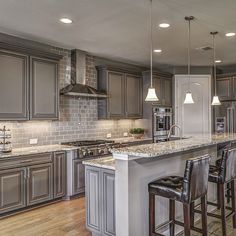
169, 187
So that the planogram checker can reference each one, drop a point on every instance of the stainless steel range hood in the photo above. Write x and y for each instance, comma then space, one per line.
78, 86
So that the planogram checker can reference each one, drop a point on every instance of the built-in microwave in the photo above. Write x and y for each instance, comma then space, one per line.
162, 121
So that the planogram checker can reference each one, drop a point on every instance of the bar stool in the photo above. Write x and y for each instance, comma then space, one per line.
222, 175
185, 189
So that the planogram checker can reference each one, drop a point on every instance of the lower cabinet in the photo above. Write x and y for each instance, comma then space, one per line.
30, 180
59, 174
100, 201
79, 177
40, 184
12, 189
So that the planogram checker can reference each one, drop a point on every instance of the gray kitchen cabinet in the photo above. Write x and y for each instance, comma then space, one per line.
14, 86
234, 88
133, 96
108, 205
100, 201
167, 92
157, 85
116, 105
79, 177
93, 200
44, 88
39, 183
12, 189
59, 174
124, 89
224, 88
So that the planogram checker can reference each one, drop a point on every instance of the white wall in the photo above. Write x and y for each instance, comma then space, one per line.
194, 119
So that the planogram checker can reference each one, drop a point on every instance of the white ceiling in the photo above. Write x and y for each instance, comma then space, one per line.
119, 29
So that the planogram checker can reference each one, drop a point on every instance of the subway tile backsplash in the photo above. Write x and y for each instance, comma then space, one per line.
78, 116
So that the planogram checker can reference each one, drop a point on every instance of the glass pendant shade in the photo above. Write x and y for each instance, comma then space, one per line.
188, 98
215, 101
151, 95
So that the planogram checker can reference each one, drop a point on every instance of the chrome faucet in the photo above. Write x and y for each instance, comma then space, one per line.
171, 128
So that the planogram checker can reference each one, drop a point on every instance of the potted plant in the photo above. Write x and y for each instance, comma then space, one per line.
137, 132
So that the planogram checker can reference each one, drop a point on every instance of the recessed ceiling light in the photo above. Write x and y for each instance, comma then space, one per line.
157, 50
164, 25
66, 20
217, 61
230, 34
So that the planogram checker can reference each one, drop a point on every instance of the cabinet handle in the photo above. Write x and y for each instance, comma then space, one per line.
25, 161
25, 173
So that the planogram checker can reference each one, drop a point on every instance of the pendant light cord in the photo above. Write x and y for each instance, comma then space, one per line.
189, 59
151, 42
214, 60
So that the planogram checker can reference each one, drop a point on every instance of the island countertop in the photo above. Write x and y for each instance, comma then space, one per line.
171, 147
104, 162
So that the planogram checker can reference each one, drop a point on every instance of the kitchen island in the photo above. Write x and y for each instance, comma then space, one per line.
135, 167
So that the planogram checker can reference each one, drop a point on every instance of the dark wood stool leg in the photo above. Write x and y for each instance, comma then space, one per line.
228, 186
151, 214
233, 203
192, 214
204, 215
186, 208
218, 195
172, 217
222, 208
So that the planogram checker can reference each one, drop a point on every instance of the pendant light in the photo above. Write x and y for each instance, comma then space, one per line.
151, 95
188, 97
215, 100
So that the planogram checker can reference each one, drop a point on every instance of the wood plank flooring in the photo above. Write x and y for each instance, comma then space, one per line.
66, 218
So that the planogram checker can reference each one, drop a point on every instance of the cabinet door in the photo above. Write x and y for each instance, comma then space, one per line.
78, 177
93, 200
108, 197
133, 96
12, 189
40, 184
234, 88
116, 105
44, 89
157, 86
167, 92
224, 90
14, 86
59, 174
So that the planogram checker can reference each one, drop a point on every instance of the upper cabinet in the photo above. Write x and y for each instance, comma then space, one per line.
13, 86
162, 82
226, 87
29, 81
124, 89
44, 90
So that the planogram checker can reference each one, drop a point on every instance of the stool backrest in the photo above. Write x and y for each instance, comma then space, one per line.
196, 178
228, 165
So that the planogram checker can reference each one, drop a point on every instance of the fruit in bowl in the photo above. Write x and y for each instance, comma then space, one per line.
137, 132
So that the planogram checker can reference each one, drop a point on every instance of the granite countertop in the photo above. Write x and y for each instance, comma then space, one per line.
165, 148
36, 150
130, 139
104, 162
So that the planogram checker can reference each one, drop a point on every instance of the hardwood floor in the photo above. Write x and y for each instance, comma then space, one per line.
66, 218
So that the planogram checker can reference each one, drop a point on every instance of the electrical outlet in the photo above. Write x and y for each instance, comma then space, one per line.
125, 134
109, 135
33, 141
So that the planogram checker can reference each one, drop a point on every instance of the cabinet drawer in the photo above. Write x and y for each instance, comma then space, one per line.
12, 162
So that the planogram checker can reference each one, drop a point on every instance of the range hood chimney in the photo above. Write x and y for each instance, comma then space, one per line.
78, 86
